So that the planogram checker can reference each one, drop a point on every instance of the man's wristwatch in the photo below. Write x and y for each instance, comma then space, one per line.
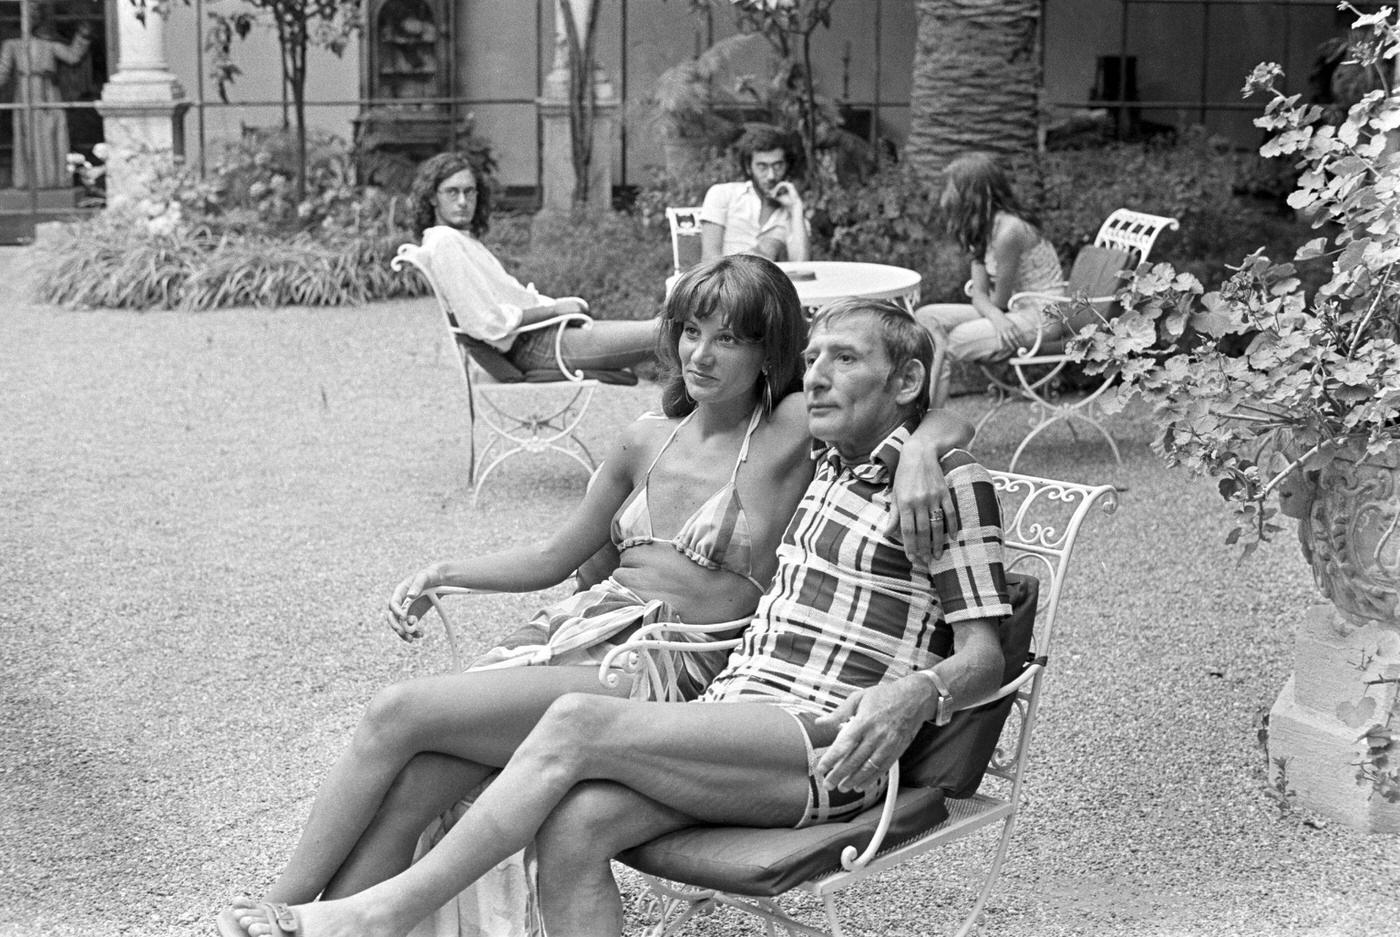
943, 708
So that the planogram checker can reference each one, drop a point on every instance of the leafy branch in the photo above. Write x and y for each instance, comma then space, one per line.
1259, 372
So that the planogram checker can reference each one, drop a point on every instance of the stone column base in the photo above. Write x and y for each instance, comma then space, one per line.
1318, 721
558, 177
143, 120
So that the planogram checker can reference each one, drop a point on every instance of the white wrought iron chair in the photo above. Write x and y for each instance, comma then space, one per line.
685, 242
699, 869
522, 411
1123, 243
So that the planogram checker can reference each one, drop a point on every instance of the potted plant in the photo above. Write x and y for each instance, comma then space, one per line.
1290, 396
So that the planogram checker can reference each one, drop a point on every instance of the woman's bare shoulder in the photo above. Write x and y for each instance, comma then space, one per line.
1014, 230
785, 431
643, 434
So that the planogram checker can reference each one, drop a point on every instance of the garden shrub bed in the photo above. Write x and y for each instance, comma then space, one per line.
235, 240
108, 262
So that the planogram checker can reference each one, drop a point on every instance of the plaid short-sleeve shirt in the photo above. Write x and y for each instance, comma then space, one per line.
847, 609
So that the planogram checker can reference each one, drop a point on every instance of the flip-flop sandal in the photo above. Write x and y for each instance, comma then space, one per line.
282, 919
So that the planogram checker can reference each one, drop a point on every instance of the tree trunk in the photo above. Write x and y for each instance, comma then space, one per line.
976, 80
582, 56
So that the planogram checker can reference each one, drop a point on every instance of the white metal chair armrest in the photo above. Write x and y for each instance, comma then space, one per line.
852, 858
564, 318
1028, 355
631, 656
435, 596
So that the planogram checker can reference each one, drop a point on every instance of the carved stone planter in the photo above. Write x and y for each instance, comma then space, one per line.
1329, 725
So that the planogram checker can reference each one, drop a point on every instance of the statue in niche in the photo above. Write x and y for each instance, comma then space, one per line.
407, 38
30, 68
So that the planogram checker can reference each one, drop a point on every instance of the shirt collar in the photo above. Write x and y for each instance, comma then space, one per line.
883, 460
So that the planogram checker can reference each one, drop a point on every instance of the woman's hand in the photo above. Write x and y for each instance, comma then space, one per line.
923, 501
1008, 337
408, 604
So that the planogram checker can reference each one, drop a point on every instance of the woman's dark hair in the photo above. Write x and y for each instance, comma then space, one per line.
422, 195
759, 138
975, 189
755, 299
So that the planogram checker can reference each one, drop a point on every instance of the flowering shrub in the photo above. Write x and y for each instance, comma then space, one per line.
1257, 378
235, 238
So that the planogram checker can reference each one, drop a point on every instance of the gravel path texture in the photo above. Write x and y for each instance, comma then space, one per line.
202, 514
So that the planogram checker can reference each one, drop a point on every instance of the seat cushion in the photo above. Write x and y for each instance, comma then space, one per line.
1097, 271
763, 862
491, 360
953, 758
496, 364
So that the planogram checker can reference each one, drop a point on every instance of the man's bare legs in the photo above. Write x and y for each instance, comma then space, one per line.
479, 717
742, 763
595, 821
430, 785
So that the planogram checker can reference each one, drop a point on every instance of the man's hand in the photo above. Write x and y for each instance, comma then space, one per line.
877, 725
926, 513
569, 304
785, 194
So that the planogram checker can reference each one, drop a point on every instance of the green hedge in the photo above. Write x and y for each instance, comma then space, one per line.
149, 256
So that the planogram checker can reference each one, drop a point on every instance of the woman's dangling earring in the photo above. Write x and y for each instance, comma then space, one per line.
767, 394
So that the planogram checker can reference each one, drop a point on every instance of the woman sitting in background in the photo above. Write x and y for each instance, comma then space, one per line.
452, 207
1009, 256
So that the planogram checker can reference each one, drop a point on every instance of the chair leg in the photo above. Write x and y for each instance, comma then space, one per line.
674, 906
1052, 413
537, 431
993, 873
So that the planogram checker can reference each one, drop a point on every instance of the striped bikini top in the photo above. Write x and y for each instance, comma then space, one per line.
716, 536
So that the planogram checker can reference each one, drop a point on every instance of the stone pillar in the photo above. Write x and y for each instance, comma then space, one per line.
1317, 726
557, 180
142, 105
1334, 732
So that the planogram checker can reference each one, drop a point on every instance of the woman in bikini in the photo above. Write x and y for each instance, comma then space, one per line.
1009, 255
695, 502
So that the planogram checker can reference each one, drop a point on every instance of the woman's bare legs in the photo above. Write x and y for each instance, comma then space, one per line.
742, 763
595, 821
939, 318
479, 717
430, 785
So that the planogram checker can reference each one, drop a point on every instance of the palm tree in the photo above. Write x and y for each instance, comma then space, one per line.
976, 80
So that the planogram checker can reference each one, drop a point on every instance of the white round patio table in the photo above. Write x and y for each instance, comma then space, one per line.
819, 282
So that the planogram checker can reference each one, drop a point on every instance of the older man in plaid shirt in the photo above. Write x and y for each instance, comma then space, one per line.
834, 677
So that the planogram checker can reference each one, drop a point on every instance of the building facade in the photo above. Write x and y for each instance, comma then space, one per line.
424, 70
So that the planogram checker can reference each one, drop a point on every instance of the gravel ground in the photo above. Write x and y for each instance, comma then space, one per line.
200, 516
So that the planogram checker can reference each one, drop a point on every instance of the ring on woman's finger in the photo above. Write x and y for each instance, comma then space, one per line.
872, 764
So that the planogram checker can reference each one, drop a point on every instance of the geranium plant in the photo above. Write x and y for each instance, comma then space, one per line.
1264, 376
